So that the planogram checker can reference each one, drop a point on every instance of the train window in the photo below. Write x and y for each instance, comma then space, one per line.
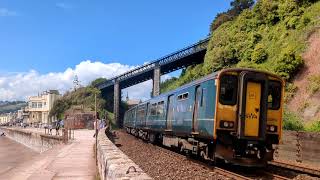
274, 95
203, 97
183, 96
141, 112
153, 109
228, 89
160, 108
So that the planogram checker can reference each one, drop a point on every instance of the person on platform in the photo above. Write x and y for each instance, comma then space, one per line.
95, 126
50, 129
57, 127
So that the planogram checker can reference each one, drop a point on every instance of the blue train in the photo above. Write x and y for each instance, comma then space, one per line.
234, 115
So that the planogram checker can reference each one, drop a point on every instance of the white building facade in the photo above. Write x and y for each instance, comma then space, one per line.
4, 118
40, 106
7, 117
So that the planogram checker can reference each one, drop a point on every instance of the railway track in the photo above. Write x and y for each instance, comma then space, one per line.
297, 168
225, 170
220, 171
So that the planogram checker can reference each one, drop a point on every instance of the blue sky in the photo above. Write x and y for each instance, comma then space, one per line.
50, 35
45, 43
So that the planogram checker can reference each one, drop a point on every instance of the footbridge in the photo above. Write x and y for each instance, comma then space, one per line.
191, 55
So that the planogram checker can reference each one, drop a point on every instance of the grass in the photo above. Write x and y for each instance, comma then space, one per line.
292, 122
313, 127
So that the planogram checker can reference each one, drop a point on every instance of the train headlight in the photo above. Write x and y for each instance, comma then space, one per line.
226, 124
272, 128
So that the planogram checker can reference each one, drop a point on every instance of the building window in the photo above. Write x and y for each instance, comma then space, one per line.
34, 105
39, 105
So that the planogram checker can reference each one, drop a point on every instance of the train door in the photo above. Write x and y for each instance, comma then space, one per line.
252, 113
253, 105
195, 124
170, 111
144, 123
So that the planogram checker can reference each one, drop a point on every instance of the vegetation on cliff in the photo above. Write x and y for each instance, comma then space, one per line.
269, 36
84, 96
6, 106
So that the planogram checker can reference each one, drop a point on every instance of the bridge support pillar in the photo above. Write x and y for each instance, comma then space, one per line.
116, 104
156, 81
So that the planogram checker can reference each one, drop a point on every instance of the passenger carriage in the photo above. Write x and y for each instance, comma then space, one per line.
234, 114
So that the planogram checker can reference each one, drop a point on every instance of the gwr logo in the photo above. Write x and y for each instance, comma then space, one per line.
252, 95
251, 116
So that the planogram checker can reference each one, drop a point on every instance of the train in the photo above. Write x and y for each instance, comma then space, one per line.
234, 115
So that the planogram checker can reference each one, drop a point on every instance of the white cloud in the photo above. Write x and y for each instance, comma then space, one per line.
18, 86
6, 12
21, 85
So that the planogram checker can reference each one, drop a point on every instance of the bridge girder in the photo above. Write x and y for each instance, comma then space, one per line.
183, 58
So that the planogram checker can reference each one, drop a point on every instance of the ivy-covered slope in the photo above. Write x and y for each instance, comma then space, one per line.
270, 36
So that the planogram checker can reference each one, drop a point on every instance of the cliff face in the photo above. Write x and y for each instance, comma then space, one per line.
306, 97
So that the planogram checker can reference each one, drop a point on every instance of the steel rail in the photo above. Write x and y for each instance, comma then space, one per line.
307, 170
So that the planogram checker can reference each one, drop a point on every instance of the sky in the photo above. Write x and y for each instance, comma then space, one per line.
45, 43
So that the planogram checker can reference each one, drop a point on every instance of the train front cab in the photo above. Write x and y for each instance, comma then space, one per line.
248, 116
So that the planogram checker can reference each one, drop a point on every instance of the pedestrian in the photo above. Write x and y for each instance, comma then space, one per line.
96, 126
102, 124
50, 129
57, 127
2, 134
61, 123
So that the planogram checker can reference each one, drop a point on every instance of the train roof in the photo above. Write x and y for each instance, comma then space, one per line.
203, 79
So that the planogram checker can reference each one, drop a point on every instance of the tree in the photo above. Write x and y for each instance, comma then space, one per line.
237, 6
96, 82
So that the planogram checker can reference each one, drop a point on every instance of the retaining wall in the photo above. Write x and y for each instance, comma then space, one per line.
114, 164
299, 147
34, 140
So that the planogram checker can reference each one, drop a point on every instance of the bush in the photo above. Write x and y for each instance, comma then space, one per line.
314, 83
219, 20
259, 54
292, 122
292, 22
291, 89
288, 63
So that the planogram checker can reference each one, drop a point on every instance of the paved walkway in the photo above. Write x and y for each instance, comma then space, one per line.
72, 161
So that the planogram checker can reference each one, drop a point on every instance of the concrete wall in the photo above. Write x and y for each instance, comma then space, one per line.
114, 164
300, 147
36, 141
